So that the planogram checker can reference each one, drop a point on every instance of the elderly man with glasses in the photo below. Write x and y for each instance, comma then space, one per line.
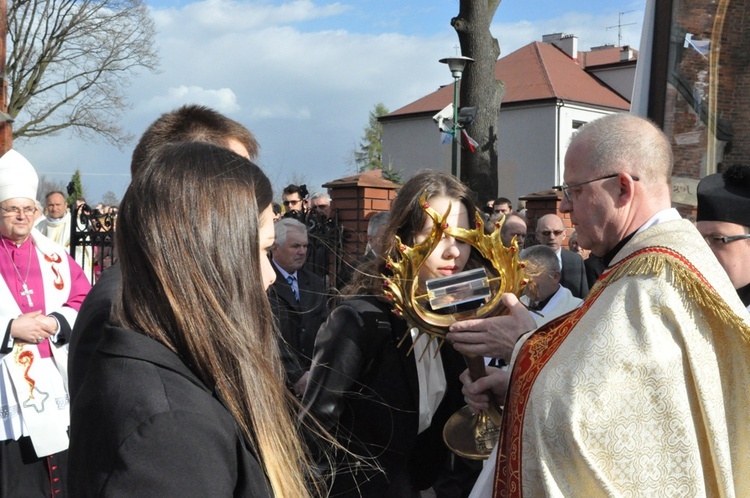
643, 390
550, 232
724, 221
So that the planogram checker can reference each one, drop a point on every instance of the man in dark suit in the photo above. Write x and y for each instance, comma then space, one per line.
550, 232
298, 300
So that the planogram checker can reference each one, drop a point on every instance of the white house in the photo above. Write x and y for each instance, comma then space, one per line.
550, 90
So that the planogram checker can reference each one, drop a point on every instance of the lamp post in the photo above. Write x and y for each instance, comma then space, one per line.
456, 65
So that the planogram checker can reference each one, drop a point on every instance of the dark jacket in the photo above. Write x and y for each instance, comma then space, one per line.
298, 321
573, 274
92, 317
144, 425
364, 389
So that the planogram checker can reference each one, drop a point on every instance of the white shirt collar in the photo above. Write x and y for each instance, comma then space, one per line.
669, 214
283, 272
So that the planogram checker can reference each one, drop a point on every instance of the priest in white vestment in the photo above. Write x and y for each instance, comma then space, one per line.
547, 300
645, 389
57, 226
41, 290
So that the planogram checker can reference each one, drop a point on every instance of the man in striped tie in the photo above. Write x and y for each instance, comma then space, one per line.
298, 300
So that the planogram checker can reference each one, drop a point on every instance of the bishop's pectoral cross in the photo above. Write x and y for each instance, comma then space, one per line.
26, 292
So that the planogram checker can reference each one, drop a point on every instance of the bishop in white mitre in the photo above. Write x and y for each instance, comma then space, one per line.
41, 290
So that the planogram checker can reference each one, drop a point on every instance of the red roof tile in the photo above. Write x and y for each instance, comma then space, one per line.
537, 71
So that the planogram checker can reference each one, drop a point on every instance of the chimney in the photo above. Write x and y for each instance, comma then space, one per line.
566, 43
626, 53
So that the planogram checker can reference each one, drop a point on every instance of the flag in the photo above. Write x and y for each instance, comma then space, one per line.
445, 138
471, 144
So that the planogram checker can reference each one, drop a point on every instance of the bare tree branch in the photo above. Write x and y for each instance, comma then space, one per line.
70, 62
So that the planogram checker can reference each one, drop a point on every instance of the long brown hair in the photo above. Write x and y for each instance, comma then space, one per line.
406, 220
188, 241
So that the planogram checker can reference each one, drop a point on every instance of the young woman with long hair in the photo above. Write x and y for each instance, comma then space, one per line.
382, 404
184, 395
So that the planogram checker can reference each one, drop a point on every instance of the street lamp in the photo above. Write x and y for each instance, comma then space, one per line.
456, 65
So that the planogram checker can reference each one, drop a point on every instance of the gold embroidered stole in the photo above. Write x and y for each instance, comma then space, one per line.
541, 346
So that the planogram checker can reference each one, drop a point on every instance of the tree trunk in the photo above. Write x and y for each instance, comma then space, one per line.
480, 89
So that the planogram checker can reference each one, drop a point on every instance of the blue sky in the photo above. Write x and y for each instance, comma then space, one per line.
303, 75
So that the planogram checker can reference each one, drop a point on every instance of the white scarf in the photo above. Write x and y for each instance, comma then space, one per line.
38, 408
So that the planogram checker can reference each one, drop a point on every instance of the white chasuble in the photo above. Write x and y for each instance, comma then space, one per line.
644, 390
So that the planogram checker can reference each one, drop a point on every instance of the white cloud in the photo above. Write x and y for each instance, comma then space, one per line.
229, 15
306, 93
590, 29
223, 100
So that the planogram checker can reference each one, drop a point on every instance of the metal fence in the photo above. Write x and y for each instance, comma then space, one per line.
92, 238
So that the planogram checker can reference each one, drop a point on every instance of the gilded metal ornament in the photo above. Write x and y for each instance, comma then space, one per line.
402, 287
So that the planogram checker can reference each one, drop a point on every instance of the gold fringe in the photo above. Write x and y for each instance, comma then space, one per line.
716, 310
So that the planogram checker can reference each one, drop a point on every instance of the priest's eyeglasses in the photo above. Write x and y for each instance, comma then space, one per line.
565, 188
715, 240
15, 210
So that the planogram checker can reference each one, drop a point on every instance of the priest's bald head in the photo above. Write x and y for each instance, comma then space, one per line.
617, 174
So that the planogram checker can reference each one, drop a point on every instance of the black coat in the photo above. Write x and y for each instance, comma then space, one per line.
364, 389
92, 317
298, 321
573, 274
144, 425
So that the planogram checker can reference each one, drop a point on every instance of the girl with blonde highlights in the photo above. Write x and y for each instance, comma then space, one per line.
184, 396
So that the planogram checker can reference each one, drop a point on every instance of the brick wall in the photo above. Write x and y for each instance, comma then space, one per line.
6, 130
355, 199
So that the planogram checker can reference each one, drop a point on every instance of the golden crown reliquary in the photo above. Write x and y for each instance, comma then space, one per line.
469, 435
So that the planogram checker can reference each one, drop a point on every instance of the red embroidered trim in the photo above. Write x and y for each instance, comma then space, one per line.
55, 259
532, 358
26, 359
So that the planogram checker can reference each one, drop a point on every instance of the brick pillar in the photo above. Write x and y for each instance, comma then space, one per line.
6, 130
355, 199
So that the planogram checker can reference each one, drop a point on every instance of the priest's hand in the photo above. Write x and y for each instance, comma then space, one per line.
477, 393
493, 337
32, 327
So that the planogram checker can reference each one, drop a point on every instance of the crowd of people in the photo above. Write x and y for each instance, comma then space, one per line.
211, 361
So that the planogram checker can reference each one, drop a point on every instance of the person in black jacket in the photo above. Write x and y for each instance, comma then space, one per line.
298, 301
383, 403
184, 394
188, 123
550, 232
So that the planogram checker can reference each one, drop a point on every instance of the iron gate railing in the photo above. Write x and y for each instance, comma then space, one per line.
92, 237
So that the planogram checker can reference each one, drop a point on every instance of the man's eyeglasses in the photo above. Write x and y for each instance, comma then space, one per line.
15, 210
565, 189
292, 202
715, 240
556, 233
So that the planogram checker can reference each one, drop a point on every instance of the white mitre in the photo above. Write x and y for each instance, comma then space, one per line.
17, 177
